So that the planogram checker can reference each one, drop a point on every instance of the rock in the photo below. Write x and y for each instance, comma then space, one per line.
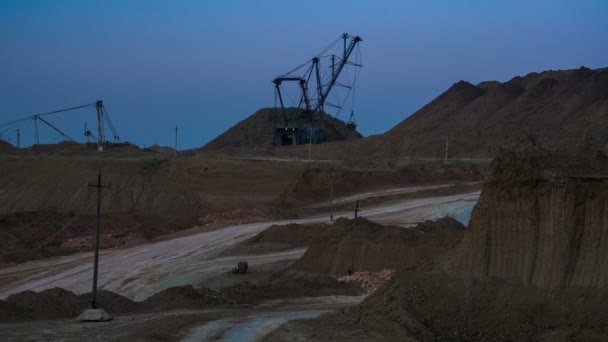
94, 315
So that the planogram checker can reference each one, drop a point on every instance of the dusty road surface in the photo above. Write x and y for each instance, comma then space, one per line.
141, 271
388, 192
215, 324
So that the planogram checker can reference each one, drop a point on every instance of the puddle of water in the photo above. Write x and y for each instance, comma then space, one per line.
248, 328
464, 216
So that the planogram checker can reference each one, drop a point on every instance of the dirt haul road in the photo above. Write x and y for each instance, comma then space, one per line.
141, 271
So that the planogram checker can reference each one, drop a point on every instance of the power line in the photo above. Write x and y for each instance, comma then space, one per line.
67, 109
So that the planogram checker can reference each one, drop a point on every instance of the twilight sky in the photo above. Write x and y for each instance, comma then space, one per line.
206, 65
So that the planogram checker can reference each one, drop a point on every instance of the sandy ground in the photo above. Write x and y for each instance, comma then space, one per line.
139, 272
217, 324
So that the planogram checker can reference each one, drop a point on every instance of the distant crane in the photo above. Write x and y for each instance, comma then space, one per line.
36, 138
103, 118
316, 79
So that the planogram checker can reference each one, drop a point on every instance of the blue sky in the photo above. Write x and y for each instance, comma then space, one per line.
206, 65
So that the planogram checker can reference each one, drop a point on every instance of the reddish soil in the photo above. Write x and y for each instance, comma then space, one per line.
369, 281
237, 216
35, 235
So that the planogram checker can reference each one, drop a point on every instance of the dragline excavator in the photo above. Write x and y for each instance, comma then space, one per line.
315, 80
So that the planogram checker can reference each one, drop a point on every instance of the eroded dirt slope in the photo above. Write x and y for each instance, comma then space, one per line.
542, 219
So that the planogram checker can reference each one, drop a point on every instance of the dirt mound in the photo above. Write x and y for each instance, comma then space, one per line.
52, 303
288, 284
182, 297
166, 150
58, 303
438, 307
558, 109
72, 148
361, 245
259, 130
113, 302
281, 237
6, 147
542, 220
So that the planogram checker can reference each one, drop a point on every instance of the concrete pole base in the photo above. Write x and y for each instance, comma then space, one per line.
94, 315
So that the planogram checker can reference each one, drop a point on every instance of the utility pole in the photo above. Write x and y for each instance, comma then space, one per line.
18, 138
95, 313
331, 196
310, 143
100, 137
584, 136
99, 186
357, 210
175, 140
447, 141
36, 137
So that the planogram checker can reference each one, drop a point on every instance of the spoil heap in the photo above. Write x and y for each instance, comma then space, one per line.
259, 130
360, 245
555, 109
5, 147
542, 219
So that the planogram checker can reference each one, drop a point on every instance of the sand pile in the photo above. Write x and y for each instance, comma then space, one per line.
5, 147
166, 150
182, 297
361, 245
59, 303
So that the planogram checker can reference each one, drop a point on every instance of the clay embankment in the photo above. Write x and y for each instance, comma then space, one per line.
540, 223
361, 245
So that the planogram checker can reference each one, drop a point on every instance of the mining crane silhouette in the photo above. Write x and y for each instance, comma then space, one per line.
316, 79
103, 118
